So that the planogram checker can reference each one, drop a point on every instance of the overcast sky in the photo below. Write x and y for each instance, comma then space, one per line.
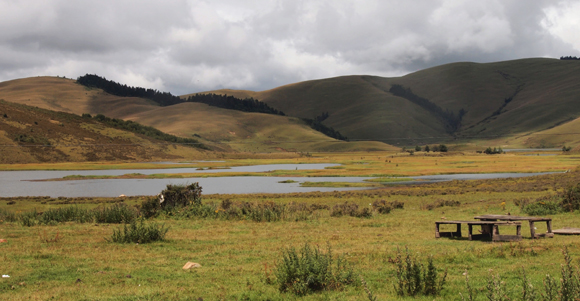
185, 46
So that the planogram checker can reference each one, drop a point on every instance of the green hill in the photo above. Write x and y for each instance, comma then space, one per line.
505, 99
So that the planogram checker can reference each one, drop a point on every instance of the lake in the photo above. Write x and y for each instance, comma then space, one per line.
21, 183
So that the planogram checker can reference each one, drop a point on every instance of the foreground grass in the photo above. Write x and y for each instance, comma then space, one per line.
71, 261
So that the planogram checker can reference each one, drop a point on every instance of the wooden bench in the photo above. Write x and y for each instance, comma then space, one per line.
530, 219
489, 230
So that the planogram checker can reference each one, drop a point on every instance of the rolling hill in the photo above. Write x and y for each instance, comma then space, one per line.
31, 135
220, 129
503, 99
521, 103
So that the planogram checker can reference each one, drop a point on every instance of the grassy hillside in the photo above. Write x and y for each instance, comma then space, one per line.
248, 132
357, 109
30, 135
221, 129
541, 94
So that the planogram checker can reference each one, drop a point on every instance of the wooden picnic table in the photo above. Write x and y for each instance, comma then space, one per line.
489, 230
531, 220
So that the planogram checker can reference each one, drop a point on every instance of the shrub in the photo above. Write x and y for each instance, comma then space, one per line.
138, 233
150, 207
397, 205
350, 209
382, 207
441, 203
542, 206
7, 216
413, 279
116, 214
180, 196
570, 284
310, 270
493, 151
28, 219
66, 214
571, 198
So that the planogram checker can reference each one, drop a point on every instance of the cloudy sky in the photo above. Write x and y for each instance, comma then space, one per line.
185, 46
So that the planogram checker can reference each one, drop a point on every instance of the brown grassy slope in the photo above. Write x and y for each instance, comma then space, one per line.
567, 134
362, 107
224, 130
248, 132
30, 135
52, 93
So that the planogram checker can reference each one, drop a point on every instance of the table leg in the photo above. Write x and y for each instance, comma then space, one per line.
549, 226
519, 230
470, 231
532, 229
458, 232
437, 230
495, 231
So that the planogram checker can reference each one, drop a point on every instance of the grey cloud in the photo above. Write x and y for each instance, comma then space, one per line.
192, 45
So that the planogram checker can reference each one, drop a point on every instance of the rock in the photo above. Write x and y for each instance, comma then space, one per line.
3, 240
122, 196
191, 265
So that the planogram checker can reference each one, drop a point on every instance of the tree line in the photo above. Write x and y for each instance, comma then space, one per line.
453, 121
168, 99
569, 58
316, 124
233, 103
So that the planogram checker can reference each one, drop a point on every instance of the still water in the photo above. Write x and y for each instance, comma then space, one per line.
21, 183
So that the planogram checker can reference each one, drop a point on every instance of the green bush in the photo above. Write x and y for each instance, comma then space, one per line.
571, 198
138, 233
150, 207
542, 206
7, 216
28, 219
66, 214
180, 196
310, 270
116, 214
413, 279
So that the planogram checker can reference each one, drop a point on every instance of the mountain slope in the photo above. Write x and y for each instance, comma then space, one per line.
500, 99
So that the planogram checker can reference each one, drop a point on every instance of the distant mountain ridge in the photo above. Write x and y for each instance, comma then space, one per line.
485, 101
520, 103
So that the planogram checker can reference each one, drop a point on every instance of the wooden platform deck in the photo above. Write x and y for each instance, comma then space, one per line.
567, 231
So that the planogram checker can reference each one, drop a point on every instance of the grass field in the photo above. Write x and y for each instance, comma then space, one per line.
239, 257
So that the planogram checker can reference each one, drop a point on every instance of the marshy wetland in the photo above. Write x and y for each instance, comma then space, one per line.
61, 248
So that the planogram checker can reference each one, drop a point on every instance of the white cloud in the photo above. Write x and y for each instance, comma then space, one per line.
563, 21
